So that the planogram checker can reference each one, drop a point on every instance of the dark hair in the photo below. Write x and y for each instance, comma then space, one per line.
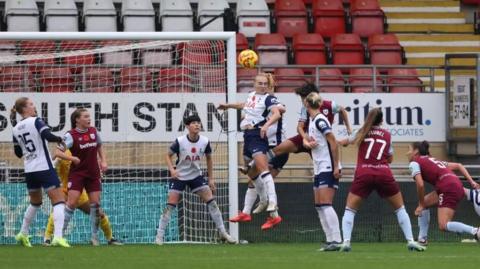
75, 115
313, 100
191, 119
306, 89
20, 104
423, 147
374, 118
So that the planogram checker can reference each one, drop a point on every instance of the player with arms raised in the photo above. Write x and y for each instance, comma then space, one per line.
375, 153
190, 149
29, 137
88, 161
448, 192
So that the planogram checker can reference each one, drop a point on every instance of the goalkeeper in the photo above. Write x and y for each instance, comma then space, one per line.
63, 167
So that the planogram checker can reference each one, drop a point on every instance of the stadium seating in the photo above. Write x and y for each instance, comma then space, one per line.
329, 17
331, 80
135, 79
242, 42
404, 80
99, 16
245, 77
291, 17
347, 49
138, 16
118, 57
71, 45
367, 17
174, 80
253, 17
194, 52
97, 79
288, 79
56, 79
7, 48
61, 16
36, 47
158, 55
309, 49
22, 16
361, 80
271, 49
212, 79
385, 49
176, 16
15, 79
209, 9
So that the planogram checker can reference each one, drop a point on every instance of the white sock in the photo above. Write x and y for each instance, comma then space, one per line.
94, 219
260, 187
269, 186
250, 198
458, 227
323, 222
333, 225
68, 216
164, 220
216, 215
423, 223
58, 219
28, 217
404, 222
347, 224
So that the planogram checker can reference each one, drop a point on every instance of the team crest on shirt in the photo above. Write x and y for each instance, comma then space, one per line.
325, 111
92, 136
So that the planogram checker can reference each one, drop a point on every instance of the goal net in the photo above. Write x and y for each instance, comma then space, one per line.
138, 87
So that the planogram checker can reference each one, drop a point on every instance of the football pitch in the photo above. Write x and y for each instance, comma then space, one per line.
296, 256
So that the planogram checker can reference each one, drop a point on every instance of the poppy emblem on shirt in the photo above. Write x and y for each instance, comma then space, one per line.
194, 150
325, 111
85, 137
253, 98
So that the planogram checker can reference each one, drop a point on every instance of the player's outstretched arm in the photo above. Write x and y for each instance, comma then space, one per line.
459, 167
60, 154
237, 106
344, 115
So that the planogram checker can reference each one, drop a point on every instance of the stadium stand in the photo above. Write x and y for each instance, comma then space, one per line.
329, 17
404, 80
253, 17
56, 79
367, 18
207, 10
15, 79
291, 17
99, 16
138, 16
385, 50
22, 16
288, 79
361, 80
97, 79
309, 49
61, 16
271, 49
176, 16
331, 80
347, 49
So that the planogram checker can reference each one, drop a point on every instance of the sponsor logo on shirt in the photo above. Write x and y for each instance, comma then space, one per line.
88, 145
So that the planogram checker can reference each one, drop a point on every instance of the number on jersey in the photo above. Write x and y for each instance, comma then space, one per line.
371, 142
29, 145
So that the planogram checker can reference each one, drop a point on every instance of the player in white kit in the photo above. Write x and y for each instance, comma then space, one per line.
190, 149
29, 138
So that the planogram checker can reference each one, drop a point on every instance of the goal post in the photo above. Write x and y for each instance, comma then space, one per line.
137, 86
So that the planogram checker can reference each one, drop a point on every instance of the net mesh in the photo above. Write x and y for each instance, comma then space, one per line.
137, 92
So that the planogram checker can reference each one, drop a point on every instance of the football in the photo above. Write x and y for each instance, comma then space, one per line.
248, 58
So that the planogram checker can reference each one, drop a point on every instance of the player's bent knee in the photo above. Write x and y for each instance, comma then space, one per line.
442, 226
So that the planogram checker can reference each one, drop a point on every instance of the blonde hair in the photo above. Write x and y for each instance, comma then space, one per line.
374, 118
270, 80
20, 104
313, 100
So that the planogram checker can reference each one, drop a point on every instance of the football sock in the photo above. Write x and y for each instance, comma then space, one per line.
269, 186
68, 216
333, 225
94, 219
404, 222
58, 219
250, 198
216, 215
423, 223
49, 228
260, 187
458, 227
106, 227
164, 219
28, 217
347, 224
321, 217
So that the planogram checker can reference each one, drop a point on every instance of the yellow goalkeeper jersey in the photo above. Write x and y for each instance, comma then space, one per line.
63, 168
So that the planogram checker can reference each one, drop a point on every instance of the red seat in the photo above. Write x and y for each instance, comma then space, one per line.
329, 17
43, 48
121, 57
367, 17
288, 79
15, 79
291, 17
212, 79
404, 80
347, 49
385, 49
245, 78
271, 49
361, 80
174, 80
97, 79
56, 79
309, 49
242, 42
75, 61
200, 52
135, 79
331, 80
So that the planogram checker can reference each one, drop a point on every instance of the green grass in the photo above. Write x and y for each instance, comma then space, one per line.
291, 256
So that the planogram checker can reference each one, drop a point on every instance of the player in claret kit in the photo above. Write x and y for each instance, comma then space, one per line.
190, 149
375, 153
29, 137
261, 111
449, 191
86, 145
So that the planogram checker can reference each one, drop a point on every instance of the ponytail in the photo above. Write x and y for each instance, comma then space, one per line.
374, 118
313, 100
20, 104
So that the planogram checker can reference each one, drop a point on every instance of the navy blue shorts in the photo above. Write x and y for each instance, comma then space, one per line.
325, 180
278, 161
253, 144
195, 184
47, 180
